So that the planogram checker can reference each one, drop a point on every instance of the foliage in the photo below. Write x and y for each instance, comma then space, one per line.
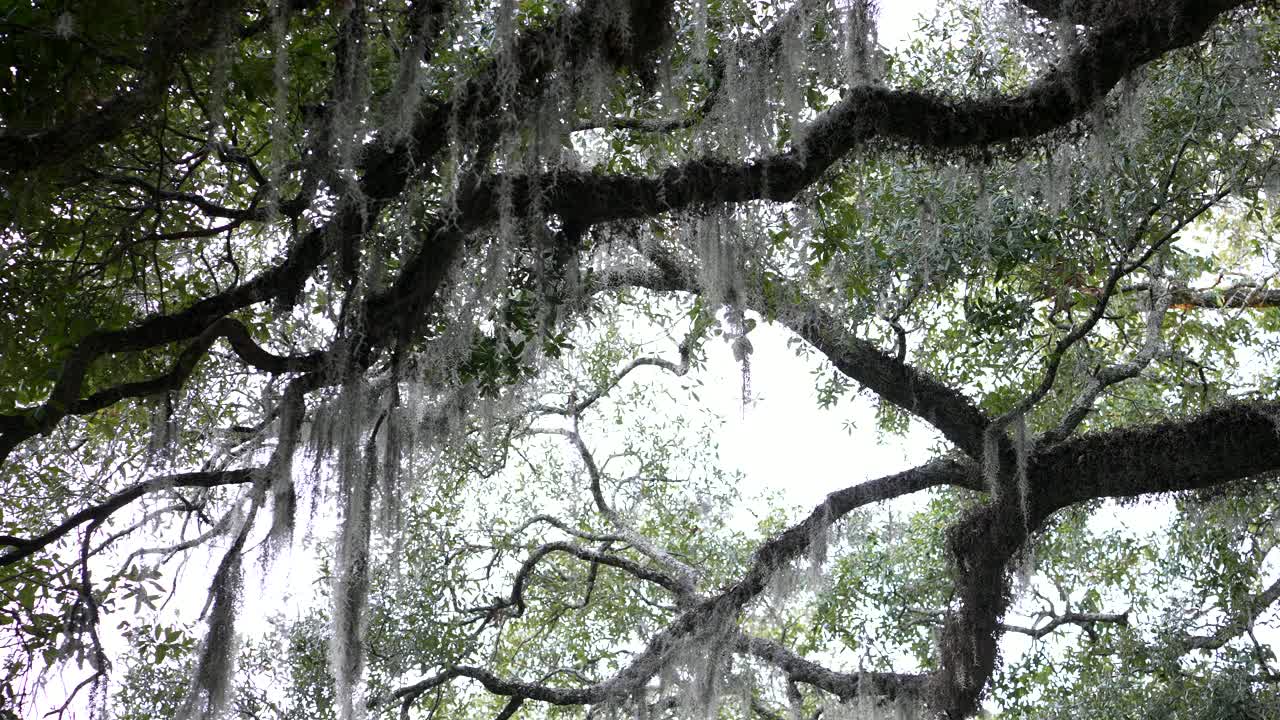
405, 316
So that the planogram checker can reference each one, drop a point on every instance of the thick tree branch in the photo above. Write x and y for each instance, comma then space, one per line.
1087, 12
1232, 442
867, 112
911, 389
585, 198
1144, 461
888, 685
386, 166
25, 547
65, 398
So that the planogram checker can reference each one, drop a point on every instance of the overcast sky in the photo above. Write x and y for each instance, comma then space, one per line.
898, 19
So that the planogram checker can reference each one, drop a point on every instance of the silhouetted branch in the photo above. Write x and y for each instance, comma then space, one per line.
25, 547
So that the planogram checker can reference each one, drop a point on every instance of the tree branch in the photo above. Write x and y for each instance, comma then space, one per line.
600, 558
1038, 631
1236, 626
1237, 296
867, 112
686, 576
577, 408
65, 400
1229, 443
913, 390
1232, 442
1101, 379
564, 527
708, 614
26, 547
845, 686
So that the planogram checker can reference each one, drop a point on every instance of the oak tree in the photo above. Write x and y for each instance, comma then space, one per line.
271, 269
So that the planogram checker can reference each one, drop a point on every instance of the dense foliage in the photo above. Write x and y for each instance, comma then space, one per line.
388, 323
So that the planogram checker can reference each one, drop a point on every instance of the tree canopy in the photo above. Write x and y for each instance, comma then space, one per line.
413, 302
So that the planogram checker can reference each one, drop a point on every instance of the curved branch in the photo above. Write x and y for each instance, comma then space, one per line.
1230, 443
216, 530
1118, 373
577, 408
1237, 626
564, 527
25, 547
200, 202
845, 686
908, 387
509, 710
599, 558
385, 169
687, 576
65, 400
1049, 374
867, 112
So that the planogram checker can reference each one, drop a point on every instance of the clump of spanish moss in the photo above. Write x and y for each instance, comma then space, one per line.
211, 688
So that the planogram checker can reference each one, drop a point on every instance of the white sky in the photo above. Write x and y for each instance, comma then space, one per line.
783, 440
898, 19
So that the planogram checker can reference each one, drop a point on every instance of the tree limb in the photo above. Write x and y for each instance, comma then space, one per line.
1038, 631
65, 400
517, 600
26, 547
888, 685
1256, 605
1231, 442
1237, 296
